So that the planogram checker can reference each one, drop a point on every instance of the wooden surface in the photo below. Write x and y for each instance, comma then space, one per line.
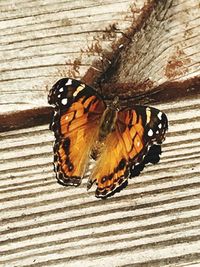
44, 41
167, 48
155, 220
148, 44
163, 54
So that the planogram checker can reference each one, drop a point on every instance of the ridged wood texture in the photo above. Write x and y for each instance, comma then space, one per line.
42, 41
155, 221
167, 48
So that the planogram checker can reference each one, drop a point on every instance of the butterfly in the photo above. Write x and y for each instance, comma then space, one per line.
121, 141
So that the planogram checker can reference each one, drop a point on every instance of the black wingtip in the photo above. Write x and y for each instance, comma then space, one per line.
153, 156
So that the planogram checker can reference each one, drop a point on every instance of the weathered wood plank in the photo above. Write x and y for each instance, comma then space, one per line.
150, 223
42, 41
165, 50
37, 48
155, 220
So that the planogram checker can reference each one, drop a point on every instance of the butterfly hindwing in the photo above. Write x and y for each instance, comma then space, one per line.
127, 147
111, 170
78, 109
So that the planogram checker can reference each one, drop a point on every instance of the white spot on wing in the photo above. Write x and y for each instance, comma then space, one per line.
160, 126
148, 115
69, 82
64, 101
59, 96
78, 89
150, 132
61, 90
159, 115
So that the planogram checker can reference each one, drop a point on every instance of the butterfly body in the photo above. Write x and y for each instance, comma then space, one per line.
107, 123
119, 139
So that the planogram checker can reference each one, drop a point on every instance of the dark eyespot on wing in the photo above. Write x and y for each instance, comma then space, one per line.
122, 164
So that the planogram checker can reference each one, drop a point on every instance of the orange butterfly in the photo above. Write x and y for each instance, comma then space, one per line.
122, 141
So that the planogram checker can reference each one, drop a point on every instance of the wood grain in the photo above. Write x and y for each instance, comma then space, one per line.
44, 41
163, 53
136, 48
153, 222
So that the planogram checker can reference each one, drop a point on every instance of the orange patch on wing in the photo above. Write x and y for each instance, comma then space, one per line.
69, 123
78, 123
66, 118
139, 128
115, 178
62, 159
127, 118
61, 152
132, 153
75, 106
132, 131
88, 101
134, 118
79, 112
97, 107
78, 152
108, 163
109, 182
127, 140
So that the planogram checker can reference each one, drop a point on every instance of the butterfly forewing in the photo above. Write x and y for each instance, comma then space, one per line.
75, 123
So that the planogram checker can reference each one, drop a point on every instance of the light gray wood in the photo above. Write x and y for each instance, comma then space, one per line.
44, 41
41, 41
167, 48
153, 222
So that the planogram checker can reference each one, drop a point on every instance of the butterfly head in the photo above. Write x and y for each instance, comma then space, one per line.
114, 105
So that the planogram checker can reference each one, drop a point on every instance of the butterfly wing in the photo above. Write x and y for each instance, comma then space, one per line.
136, 131
78, 109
